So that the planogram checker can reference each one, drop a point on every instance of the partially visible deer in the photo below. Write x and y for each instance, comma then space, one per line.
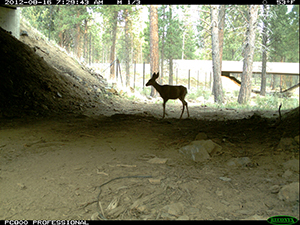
169, 92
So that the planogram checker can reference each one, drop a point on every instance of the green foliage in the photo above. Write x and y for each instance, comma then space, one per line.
146, 43
171, 27
144, 91
204, 33
107, 12
236, 93
70, 26
40, 18
189, 44
173, 37
67, 25
293, 37
284, 34
206, 93
234, 32
273, 101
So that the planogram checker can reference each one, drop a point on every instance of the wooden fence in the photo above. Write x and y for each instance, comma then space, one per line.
194, 78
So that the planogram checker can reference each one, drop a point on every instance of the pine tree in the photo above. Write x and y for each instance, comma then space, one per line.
245, 90
217, 86
173, 47
264, 51
154, 51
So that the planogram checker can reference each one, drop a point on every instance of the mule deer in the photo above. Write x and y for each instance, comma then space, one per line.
169, 92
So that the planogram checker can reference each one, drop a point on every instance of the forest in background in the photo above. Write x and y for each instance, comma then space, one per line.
184, 31
160, 34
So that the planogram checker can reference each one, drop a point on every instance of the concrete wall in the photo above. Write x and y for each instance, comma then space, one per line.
10, 20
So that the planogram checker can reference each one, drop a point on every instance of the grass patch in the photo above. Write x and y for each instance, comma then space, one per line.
203, 96
272, 102
193, 95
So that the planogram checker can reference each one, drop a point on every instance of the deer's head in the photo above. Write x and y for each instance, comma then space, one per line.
153, 78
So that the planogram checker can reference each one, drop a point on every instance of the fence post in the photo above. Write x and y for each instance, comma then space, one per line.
176, 76
197, 79
117, 64
143, 75
120, 72
281, 83
189, 79
210, 80
134, 75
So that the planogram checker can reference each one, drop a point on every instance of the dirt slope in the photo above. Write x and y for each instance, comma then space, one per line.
39, 79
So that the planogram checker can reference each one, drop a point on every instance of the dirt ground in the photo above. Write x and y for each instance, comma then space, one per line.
51, 168
58, 145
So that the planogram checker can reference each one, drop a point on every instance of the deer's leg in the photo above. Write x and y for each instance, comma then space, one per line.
184, 104
187, 109
164, 108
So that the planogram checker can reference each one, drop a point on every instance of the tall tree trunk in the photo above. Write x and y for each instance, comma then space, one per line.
273, 82
171, 71
67, 41
280, 84
170, 43
50, 22
127, 48
61, 39
113, 46
162, 50
221, 31
77, 38
217, 85
162, 60
182, 52
90, 50
245, 91
264, 52
85, 41
154, 56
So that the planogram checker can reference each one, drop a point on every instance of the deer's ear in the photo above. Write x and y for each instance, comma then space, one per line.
156, 75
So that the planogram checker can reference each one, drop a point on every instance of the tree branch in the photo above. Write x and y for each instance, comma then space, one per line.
242, 14
200, 10
205, 22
